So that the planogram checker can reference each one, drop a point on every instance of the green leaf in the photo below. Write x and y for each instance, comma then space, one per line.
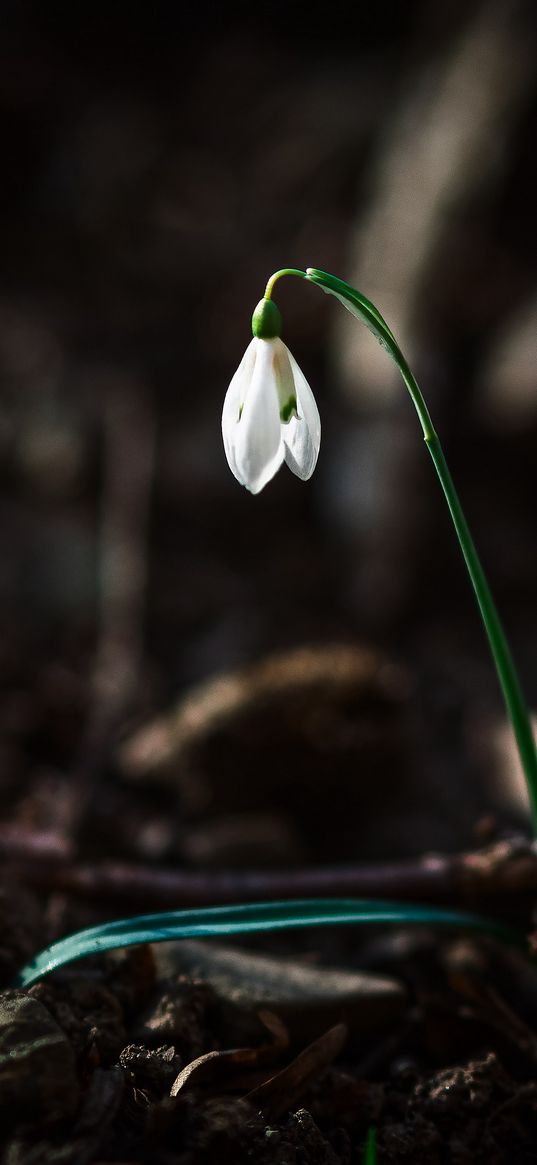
360, 307
252, 918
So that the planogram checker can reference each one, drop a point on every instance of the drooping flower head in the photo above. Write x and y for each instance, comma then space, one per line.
269, 413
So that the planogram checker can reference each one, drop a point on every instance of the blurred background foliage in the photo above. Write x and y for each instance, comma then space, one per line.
159, 162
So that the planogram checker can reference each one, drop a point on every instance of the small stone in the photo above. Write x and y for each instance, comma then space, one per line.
151, 1070
38, 1079
87, 1011
308, 999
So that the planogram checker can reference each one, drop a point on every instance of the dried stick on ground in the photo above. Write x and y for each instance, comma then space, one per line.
486, 878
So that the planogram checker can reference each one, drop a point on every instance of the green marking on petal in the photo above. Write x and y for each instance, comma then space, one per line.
288, 410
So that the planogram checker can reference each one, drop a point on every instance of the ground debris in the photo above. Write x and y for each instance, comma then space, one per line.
88, 1011
469, 1089
152, 1070
309, 999
338, 701
226, 700
281, 1092
471, 1113
180, 1014
415, 1140
302, 1140
38, 1079
478, 1108
99, 1107
216, 1066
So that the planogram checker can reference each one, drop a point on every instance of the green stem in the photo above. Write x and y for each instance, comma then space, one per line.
515, 703
278, 275
501, 653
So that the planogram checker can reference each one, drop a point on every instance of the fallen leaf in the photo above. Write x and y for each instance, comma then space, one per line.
281, 1092
212, 1065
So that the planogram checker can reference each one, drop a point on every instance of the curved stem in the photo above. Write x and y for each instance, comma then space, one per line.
517, 711
278, 275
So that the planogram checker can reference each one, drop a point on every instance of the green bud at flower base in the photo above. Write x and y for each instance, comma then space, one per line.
266, 321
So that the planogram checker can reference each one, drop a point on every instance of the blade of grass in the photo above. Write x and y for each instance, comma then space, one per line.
370, 1151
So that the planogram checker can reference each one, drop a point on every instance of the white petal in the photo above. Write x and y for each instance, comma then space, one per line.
302, 436
235, 397
258, 445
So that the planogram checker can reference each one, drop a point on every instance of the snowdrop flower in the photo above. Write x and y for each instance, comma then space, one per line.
269, 414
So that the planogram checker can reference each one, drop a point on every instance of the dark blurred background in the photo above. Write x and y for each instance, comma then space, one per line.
158, 164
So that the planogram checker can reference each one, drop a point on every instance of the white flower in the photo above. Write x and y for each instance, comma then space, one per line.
269, 416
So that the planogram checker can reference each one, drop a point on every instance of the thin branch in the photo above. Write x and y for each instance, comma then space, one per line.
490, 876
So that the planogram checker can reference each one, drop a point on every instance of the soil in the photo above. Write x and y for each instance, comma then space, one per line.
283, 1049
